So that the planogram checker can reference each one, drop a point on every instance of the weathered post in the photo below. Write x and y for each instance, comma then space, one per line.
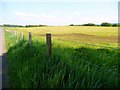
22, 35
30, 38
19, 36
49, 45
15, 33
16, 36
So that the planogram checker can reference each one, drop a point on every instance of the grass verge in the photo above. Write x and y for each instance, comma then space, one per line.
68, 67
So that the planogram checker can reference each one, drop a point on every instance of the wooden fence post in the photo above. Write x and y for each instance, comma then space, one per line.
22, 35
16, 36
15, 33
19, 36
49, 45
30, 38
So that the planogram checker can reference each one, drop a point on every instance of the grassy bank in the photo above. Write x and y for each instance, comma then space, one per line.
69, 67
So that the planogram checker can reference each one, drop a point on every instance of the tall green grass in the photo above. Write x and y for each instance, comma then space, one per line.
68, 67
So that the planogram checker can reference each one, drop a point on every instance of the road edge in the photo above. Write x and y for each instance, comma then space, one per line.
4, 64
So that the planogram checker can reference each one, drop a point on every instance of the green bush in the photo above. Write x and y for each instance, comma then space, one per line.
89, 24
106, 24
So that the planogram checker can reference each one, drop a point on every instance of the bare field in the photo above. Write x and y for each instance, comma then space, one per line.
85, 34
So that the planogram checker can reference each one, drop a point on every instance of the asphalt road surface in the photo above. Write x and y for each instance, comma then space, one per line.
3, 61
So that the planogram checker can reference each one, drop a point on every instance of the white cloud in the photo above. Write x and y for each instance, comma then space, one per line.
54, 19
99, 19
46, 15
32, 15
76, 12
20, 13
40, 15
37, 17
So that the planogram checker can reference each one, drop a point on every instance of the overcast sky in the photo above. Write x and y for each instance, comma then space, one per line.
59, 12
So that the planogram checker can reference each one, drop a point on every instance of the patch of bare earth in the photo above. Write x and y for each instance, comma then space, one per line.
85, 37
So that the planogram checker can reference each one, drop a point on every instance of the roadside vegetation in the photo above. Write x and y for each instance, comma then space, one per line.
70, 66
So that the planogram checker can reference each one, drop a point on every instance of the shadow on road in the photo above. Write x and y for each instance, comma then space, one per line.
3, 71
0, 72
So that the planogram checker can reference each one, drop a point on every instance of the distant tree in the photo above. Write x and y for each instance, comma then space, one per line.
89, 24
35, 25
97, 25
78, 25
118, 24
106, 24
71, 25
114, 25
9, 25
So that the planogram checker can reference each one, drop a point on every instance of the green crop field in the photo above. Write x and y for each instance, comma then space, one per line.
101, 35
82, 57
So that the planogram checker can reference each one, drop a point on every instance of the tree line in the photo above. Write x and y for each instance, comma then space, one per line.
9, 25
102, 24
88, 24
